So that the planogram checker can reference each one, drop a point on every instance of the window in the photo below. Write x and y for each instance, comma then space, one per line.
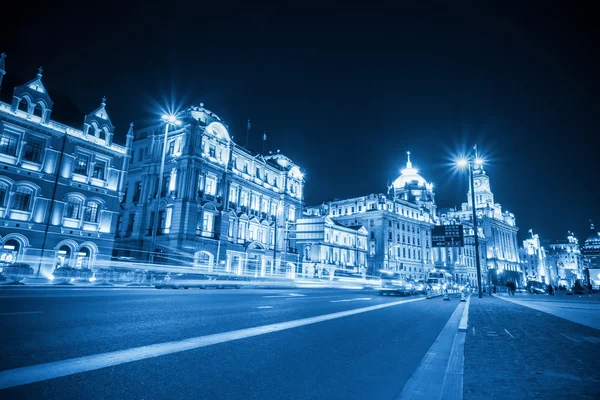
8, 143
91, 212
165, 184
212, 151
233, 194
162, 222
141, 154
255, 202
353, 210
171, 147
130, 224
242, 230
211, 185
137, 191
119, 223
230, 230
292, 213
265, 206
73, 208
33, 150
81, 164
372, 235
207, 222
390, 223
22, 199
244, 199
3, 190
99, 169
258, 172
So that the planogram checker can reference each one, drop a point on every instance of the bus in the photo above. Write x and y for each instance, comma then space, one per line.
438, 280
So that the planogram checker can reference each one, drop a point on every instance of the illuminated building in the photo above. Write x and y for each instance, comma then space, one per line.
535, 265
460, 261
499, 229
60, 186
220, 204
591, 256
398, 224
328, 247
564, 259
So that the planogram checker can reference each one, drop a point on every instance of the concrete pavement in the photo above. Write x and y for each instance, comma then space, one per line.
367, 355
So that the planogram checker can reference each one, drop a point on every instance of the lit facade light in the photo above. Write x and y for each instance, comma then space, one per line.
171, 119
478, 161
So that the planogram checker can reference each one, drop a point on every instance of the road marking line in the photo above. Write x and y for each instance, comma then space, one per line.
508, 333
296, 295
264, 307
272, 297
21, 313
570, 338
42, 372
465, 316
357, 299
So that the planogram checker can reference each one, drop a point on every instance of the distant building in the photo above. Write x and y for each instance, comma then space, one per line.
60, 186
328, 248
591, 256
499, 228
461, 261
398, 224
564, 261
535, 265
221, 207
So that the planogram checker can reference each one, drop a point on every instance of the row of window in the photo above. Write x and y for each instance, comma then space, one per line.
374, 206
22, 198
32, 151
76, 208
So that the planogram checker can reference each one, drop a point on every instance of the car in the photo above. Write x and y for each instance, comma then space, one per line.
392, 283
183, 280
230, 281
536, 287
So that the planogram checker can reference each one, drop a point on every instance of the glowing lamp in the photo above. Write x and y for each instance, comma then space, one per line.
171, 119
462, 162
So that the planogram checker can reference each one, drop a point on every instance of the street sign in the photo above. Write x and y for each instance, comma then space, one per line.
447, 236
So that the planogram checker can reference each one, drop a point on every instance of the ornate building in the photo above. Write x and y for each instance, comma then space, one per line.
533, 261
60, 186
461, 261
499, 228
591, 256
564, 260
221, 207
398, 224
330, 247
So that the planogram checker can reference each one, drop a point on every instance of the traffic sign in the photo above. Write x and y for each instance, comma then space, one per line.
447, 236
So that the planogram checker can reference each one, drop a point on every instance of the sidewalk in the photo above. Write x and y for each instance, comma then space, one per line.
515, 352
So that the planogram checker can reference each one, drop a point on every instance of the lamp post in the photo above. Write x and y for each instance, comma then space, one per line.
470, 162
170, 120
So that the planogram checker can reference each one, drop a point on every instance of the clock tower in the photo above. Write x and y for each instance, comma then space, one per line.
483, 193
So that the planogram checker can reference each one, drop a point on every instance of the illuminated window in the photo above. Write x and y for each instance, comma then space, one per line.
233, 194
255, 205
33, 150
91, 212
8, 143
208, 220
244, 198
22, 199
81, 164
211, 185
73, 208
99, 170
292, 213
212, 151
171, 149
3, 190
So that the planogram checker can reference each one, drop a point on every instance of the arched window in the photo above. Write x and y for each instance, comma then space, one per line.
102, 134
83, 258
22, 199
63, 257
9, 252
23, 105
38, 111
92, 130
91, 212
73, 208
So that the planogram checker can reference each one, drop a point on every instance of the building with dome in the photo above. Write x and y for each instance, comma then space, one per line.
591, 256
60, 185
221, 207
564, 260
499, 228
398, 224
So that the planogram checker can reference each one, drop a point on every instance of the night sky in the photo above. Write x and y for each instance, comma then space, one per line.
345, 91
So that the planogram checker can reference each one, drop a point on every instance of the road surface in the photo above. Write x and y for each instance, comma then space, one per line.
213, 344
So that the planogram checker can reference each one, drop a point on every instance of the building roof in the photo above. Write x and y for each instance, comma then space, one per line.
408, 175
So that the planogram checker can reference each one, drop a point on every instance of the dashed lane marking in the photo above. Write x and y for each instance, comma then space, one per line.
357, 299
21, 313
509, 334
264, 307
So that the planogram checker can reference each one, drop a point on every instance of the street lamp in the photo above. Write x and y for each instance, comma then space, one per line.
170, 120
471, 162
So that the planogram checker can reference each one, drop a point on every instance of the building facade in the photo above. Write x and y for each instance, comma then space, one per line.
591, 257
220, 207
60, 186
499, 228
564, 261
398, 223
461, 262
534, 263
328, 248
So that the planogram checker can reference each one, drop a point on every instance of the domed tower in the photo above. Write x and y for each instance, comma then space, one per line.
410, 186
483, 193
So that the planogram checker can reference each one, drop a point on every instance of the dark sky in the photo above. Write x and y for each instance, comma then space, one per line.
345, 91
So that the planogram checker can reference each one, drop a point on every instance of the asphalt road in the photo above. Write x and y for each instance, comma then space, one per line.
366, 355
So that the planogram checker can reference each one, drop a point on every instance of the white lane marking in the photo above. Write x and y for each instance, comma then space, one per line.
21, 313
357, 299
464, 321
509, 334
264, 307
273, 297
296, 295
570, 338
287, 295
42, 372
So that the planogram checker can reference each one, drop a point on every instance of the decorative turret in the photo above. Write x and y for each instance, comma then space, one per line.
98, 124
2, 68
33, 99
129, 137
